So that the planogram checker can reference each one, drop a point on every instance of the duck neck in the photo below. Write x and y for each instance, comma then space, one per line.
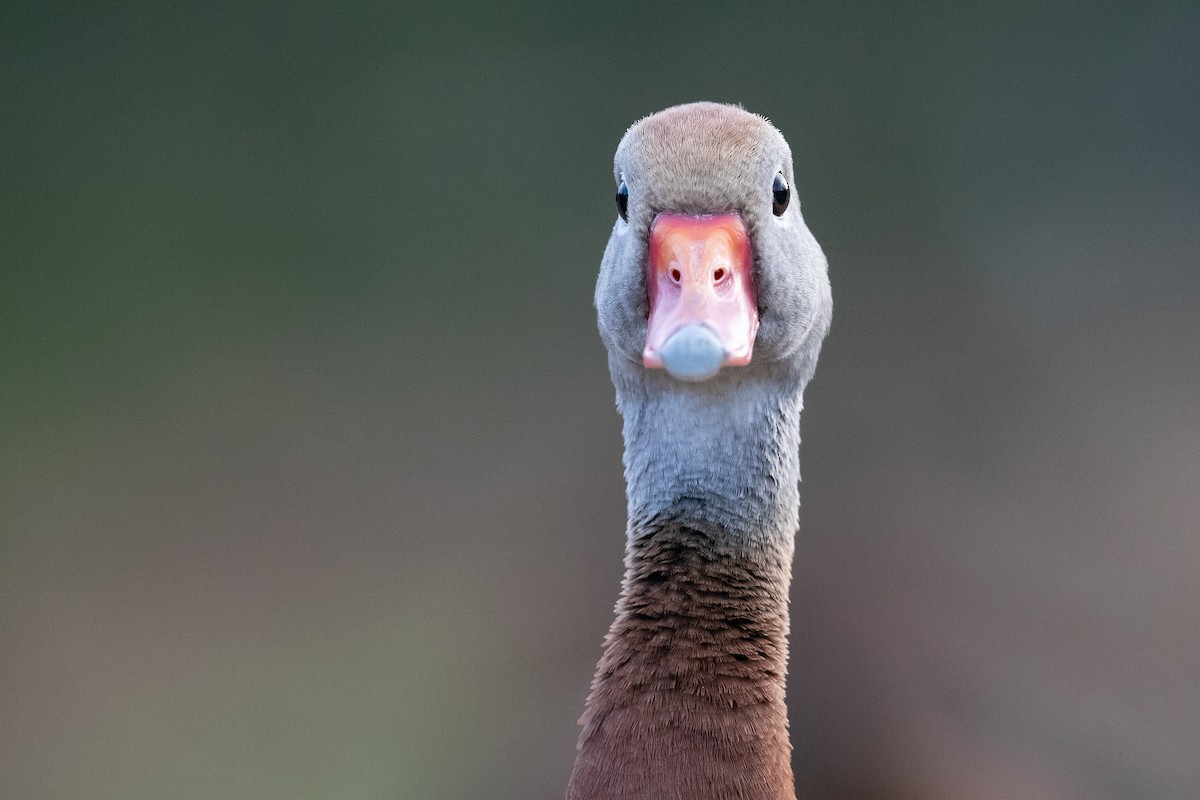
688, 698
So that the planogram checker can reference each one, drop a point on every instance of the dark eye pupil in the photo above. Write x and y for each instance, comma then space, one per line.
623, 201
780, 195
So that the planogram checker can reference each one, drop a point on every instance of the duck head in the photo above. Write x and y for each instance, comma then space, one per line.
710, 273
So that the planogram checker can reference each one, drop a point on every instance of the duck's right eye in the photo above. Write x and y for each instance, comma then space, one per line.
623, 201
780, 194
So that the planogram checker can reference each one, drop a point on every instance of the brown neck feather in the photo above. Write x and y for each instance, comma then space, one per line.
688, 699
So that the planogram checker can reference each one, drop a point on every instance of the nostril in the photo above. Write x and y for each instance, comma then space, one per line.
718, 275
676, 276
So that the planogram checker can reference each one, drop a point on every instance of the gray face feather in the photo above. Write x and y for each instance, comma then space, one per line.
726, 448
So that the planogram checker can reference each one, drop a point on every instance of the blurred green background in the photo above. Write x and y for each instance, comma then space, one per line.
310, 476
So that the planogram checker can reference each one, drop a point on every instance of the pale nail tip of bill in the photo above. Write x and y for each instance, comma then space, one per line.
693, 353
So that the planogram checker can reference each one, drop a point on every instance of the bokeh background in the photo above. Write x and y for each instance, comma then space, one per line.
310, 476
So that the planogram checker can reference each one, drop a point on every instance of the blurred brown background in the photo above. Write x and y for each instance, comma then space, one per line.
309, 469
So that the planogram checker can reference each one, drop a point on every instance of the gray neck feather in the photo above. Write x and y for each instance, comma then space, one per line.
722, 456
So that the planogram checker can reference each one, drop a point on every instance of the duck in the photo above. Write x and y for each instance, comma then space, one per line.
712, 301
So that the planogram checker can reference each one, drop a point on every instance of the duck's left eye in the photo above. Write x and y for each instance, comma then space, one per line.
780, 195
623, 201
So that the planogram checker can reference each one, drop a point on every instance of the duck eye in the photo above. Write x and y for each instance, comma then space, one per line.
623, 201
780, 195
